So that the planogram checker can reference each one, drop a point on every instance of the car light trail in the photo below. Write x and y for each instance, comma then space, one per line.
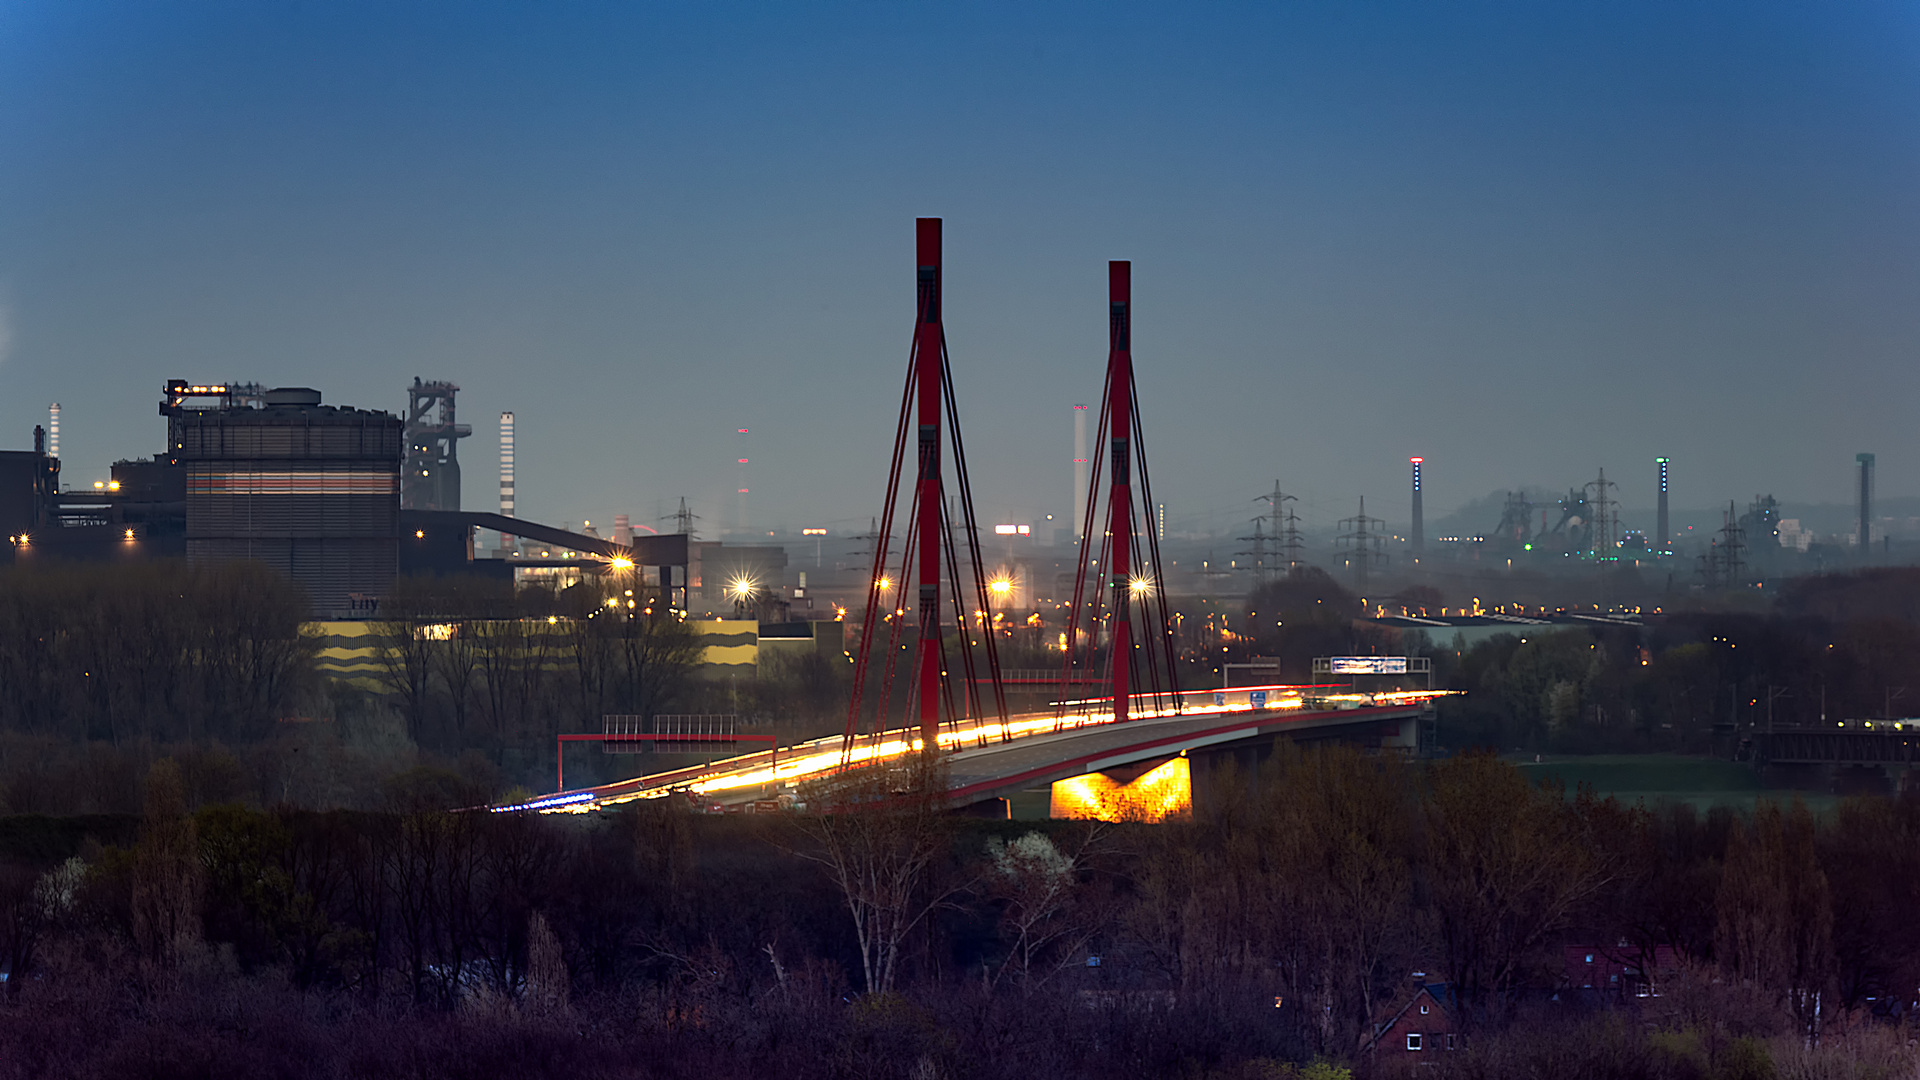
825, 756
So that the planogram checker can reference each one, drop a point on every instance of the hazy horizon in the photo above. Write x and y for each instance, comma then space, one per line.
1523, 242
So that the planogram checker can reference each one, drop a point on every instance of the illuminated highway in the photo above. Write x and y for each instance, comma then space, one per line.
990, 760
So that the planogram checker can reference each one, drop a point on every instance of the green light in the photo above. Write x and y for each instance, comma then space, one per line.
1529, 547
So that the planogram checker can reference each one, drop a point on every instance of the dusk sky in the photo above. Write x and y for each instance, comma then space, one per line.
1523, 240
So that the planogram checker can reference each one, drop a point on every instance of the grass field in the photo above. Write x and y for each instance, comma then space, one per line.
1704, 782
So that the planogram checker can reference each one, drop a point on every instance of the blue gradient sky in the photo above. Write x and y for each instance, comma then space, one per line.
1524, 240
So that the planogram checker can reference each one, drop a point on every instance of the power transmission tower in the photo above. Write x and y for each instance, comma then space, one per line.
1732, 542
869, 539
1285, 533
1722, 565
683, 519
1289, 543
1365, 544
1258, 553
1602, 518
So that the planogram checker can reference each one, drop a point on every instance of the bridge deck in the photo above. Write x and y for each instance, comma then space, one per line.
1001, 768
1036, 756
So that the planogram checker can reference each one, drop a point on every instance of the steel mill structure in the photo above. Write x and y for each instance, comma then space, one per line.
309, 489
431, 478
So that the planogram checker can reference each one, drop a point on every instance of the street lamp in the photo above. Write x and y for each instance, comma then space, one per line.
741, 588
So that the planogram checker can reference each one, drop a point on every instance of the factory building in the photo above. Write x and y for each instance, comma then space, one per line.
309, 489
315, 492
29, 480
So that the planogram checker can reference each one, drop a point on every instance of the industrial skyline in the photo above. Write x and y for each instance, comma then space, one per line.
1452, 230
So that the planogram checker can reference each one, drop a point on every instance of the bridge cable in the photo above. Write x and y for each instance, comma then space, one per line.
972, 527
1158, 576
881, 542
1072, 644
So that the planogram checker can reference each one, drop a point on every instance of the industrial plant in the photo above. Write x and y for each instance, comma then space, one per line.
343, 501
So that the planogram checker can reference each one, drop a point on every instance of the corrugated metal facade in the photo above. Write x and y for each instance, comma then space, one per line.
313, 491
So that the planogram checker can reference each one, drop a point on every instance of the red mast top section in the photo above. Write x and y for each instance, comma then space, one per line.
1120, 498
929, 342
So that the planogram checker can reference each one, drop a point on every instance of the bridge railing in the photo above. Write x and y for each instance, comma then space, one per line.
631, 733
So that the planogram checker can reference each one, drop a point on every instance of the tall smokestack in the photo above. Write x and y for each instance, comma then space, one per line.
743, 481
1419, 518
506, 473
1866, 501
53, 430
1662, 525
1079, 469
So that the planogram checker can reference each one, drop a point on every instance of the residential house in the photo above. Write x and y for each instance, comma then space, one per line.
1426, 1024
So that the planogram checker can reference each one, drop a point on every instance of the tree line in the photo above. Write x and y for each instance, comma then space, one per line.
1267, 931
162, 652
1825, 648
474, 664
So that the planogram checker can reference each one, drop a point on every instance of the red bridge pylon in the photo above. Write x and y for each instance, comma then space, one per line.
1136, 660
938, 688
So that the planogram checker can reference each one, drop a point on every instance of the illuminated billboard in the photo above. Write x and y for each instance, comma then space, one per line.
1368, 665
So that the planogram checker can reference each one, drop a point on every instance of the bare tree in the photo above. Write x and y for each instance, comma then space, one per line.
1045, 918
406, 651
878, 834
1775, 911
167, 876
1507, 865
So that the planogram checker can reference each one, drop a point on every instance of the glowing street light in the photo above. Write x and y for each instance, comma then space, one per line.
620, 563
1000, 587
1140, 585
